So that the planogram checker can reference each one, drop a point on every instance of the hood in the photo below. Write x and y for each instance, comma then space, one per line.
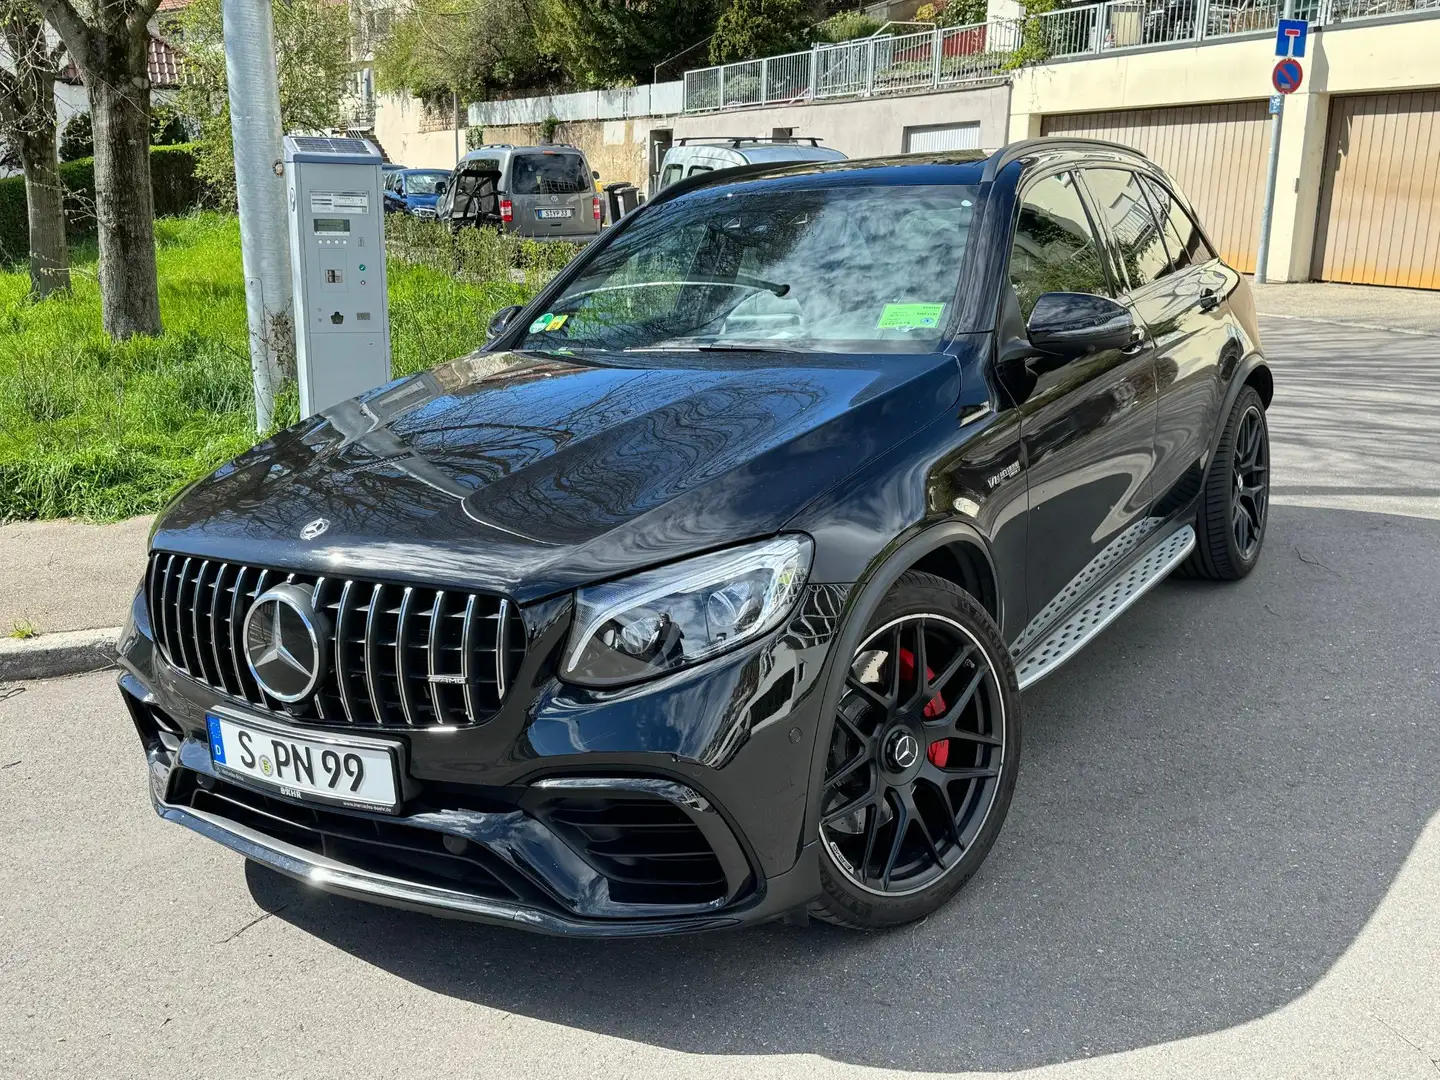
422, 199
531, 474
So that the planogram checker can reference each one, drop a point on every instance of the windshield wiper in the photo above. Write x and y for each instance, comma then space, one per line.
743, 281
699, 346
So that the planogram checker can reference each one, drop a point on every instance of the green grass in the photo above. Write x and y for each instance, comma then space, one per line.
22, 629
103, 430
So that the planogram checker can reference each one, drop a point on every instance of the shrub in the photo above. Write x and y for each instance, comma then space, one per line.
846, 26
172, 177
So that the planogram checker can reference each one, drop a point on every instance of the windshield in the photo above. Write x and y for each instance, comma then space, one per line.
423, 183
827, 268
549, 174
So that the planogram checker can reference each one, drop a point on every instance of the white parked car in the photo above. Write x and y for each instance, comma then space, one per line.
700, 155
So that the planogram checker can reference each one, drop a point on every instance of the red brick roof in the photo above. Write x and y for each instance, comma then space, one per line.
164, 65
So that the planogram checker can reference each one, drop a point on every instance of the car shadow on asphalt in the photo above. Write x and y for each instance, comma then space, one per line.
1215, 797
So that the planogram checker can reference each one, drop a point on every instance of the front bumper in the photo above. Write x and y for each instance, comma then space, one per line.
523, 821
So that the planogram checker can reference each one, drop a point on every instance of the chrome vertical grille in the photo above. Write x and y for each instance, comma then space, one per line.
401, 656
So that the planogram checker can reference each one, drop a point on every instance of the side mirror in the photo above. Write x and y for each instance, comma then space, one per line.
595, 174
440, 186
1073, 324
502, 318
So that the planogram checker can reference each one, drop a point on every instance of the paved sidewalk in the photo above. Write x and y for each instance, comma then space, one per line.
1406, 310
64, 575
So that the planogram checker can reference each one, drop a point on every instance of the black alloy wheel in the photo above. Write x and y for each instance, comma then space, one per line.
1252, 483
922, 759
1235, 501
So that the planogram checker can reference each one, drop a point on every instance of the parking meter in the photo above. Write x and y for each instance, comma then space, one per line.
337, 257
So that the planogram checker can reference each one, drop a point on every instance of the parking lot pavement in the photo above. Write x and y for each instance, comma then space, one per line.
1222, 859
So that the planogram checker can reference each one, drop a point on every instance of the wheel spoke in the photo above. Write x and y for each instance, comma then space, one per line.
864, 757
938, 683
868, 693
922, 663
872, 828
892, 697
937, 781
902, 826
850, 726
949, 721
870, 798
913, 809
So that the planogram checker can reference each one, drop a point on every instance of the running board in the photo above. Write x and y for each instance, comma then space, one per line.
1104, 607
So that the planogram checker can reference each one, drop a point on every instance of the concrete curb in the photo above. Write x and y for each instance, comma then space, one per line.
67, 652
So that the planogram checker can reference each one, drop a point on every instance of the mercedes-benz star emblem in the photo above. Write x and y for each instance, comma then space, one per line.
314, 529
904, 750
285, 642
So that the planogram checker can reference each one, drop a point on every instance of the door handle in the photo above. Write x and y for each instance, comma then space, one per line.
1136, 346
1209, 301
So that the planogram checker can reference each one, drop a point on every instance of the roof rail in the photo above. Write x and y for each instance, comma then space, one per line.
1028, 147
735, 140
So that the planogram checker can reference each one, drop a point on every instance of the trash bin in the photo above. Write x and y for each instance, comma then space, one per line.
620, 198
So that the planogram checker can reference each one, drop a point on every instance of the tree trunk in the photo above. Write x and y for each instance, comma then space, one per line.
49, 253
124, 201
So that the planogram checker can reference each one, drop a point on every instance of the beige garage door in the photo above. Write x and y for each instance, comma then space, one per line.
1216, 153
1378, 222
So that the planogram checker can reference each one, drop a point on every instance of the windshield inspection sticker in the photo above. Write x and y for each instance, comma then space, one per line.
909, 316
547, 322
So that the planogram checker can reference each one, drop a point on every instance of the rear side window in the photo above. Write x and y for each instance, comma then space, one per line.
1055, 249
1182, 236
549, 174
1121, 201
699, 169
671, 174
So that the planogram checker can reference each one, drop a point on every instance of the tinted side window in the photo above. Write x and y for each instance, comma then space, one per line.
1182, 235
1055, 249
1121, 201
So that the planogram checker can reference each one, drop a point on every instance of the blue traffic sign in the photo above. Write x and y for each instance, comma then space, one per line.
1290, 35
1287, 76
1276, 100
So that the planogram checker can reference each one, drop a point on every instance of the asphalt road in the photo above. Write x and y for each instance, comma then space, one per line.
1223, 858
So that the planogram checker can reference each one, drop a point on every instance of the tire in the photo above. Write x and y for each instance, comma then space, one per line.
1219, 553
965, 722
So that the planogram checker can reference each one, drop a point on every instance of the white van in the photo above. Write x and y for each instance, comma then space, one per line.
691, 156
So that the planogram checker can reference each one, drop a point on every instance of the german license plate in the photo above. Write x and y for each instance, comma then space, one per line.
562, 213
350, 771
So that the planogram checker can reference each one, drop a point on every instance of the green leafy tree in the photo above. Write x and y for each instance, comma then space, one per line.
312, 44
749, 29
471, 48
605, 42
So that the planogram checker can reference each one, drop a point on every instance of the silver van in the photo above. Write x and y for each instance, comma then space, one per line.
540, 191
690, 156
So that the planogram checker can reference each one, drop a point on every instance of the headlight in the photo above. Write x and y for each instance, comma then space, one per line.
679, 615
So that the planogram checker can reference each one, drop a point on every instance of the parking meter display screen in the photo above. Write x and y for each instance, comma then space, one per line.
332, 225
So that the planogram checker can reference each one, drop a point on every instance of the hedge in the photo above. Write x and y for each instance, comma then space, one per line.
172, 176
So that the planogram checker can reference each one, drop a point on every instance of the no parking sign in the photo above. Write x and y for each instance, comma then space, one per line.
1287, 76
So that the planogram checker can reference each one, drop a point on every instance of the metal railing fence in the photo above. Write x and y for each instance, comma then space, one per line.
874, 65
957, 54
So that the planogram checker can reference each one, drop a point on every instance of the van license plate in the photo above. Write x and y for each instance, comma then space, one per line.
563, 213
359, 773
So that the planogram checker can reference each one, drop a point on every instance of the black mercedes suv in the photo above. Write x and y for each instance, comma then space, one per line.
705, 592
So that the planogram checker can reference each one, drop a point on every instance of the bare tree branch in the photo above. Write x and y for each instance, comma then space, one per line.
71, 27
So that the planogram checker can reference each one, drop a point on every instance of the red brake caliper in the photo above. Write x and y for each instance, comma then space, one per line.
939, 751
